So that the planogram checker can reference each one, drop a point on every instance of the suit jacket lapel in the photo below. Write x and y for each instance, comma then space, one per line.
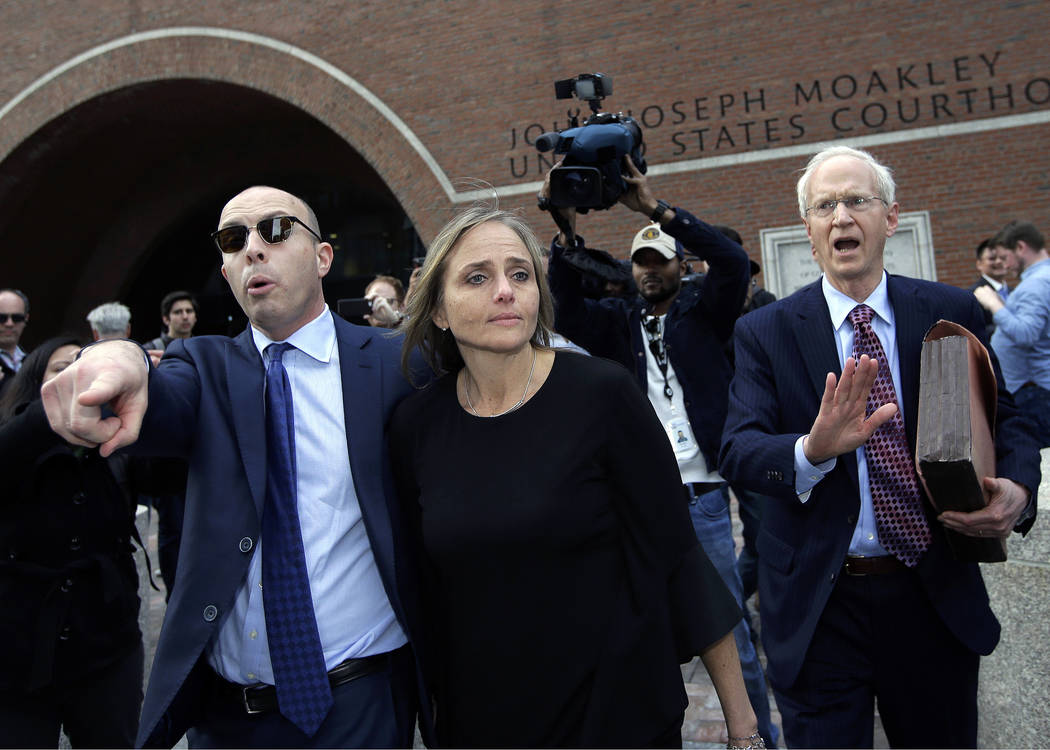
815, 338
244, 381
912, 318
365, 436
816, 342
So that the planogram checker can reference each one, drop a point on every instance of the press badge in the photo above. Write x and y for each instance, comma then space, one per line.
681, 436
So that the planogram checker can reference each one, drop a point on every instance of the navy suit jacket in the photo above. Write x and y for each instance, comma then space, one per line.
783, 354
989, 319
206, 405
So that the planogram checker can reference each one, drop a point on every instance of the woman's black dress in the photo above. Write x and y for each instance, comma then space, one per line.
565, 583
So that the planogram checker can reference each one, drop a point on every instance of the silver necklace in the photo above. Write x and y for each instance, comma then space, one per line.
466, 392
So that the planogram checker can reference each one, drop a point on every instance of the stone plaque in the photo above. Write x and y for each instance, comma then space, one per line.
787, 257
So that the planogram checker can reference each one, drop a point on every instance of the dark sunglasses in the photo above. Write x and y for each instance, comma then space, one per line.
272, 231
15, 318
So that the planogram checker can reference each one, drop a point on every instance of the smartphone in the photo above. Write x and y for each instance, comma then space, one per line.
355, 307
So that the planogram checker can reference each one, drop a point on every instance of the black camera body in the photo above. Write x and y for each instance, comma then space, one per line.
591, 175
354, 309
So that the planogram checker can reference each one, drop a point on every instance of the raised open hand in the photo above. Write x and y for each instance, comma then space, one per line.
841, 425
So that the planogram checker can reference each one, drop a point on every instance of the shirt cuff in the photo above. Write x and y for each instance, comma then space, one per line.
149, 362
806, 474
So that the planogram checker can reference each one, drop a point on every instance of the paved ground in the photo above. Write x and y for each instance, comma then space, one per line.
151, 612
703, 727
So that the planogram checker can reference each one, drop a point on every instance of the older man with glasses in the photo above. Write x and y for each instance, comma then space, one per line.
861, 598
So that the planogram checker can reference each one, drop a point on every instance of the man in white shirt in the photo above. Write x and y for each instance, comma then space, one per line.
861, 598
991, 265
272, 496
672, 336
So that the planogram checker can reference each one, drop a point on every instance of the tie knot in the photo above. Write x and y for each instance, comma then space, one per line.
276, 351
861, 314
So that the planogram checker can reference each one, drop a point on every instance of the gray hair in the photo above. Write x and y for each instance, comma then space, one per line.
883, 175
109, 319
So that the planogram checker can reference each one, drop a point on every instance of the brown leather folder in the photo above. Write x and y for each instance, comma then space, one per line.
955, 445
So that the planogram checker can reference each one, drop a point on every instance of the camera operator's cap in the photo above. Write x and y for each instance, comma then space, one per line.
655, 237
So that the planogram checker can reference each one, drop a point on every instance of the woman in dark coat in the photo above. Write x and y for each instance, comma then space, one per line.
72, 653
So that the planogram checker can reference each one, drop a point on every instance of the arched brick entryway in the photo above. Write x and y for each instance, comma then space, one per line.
115, 164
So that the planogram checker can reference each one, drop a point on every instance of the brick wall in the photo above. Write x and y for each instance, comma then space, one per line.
472, 81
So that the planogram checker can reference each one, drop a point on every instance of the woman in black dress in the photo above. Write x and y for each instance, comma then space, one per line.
72, 652
564, 581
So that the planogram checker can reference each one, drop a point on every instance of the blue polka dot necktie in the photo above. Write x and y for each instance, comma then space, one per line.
895, 495
304, 694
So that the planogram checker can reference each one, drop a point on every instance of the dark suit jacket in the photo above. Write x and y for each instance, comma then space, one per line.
989, 320
206, 405
783, 354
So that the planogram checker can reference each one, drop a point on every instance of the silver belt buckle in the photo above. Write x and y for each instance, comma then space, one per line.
247, 705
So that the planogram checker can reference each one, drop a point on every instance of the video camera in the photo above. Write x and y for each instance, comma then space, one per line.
591, 175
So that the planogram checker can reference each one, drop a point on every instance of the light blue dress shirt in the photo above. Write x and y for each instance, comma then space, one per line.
354, 616
865, 539
13, 361
1022, 330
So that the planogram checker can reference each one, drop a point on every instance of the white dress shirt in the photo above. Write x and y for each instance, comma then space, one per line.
354, 616
691, 463
865, 539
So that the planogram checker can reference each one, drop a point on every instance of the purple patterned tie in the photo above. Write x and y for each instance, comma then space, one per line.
304, 694
895, 495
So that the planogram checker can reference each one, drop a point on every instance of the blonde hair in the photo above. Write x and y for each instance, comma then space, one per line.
438, 347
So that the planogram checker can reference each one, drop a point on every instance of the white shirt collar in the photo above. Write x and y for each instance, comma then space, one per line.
996, 285
315, 339
840, 306
16, 358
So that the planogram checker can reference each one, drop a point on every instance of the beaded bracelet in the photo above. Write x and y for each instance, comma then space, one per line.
754, 742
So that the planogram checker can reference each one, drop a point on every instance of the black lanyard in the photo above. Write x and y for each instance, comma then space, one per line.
654, 331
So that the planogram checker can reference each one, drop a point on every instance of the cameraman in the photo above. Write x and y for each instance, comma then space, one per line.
386, 295
672, 338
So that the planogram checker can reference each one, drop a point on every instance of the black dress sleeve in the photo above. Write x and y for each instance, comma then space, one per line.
402, 439
658, 531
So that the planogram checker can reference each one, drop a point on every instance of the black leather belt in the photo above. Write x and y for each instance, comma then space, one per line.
696, 489
873, 566
262, 698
